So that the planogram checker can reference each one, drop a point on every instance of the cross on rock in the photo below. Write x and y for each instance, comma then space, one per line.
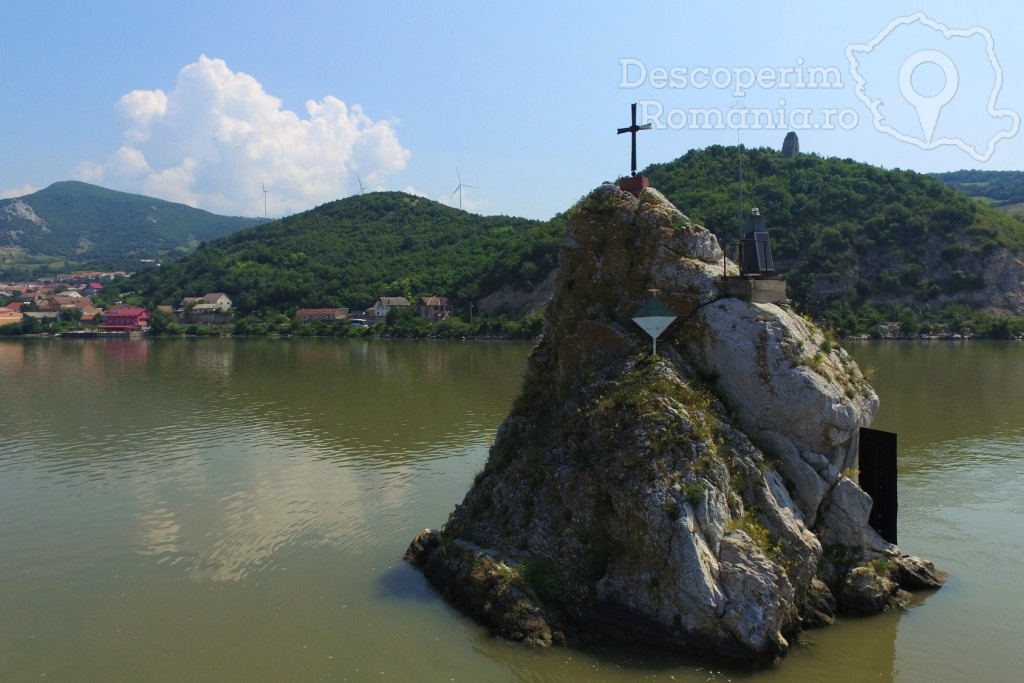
632, 130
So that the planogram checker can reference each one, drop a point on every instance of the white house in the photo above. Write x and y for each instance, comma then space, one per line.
385, 304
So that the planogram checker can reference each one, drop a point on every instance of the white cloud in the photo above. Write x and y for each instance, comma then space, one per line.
409, 189
141, 107
17, 191
217, 135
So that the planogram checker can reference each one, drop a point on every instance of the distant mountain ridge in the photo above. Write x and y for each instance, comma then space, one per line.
76, 222
1000, 189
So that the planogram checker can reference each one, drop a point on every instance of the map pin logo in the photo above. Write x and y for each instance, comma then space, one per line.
928, 106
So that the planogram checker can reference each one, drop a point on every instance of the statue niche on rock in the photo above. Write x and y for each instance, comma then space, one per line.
694, 499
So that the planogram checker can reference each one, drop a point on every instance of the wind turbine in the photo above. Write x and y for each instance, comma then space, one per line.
362, 189
264, 198
460, 186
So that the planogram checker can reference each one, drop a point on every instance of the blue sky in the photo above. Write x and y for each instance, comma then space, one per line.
208, 103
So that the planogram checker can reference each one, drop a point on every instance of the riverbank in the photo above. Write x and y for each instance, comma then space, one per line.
930, 336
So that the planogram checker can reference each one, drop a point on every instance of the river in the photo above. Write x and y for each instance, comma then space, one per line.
237, 510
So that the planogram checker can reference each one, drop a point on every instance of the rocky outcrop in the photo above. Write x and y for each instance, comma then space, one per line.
990, 279
15, 218
1004, 283
16, 210
698, 499
790, 146
513, 300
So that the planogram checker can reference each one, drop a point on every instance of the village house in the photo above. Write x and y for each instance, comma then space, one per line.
65, 301
126, 319
208, 302
384, 304
22, 287
209, 309
218, 300
10, 316
304, 316
33, 298
433, 308
81, 277
89, 312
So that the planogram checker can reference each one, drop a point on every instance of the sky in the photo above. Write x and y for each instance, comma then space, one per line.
253, 108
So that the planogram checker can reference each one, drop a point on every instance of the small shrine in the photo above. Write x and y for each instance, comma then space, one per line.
758, 282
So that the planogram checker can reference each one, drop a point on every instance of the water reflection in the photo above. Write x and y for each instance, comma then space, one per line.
379, 404
227, 514
226, 509
939, 391
232, 453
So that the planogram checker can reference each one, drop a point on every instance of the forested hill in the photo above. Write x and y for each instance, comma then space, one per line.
858, 244
351, 251
81, 223
849, 235
1000, 189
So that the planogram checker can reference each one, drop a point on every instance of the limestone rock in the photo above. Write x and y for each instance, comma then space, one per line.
915, 574
695, 499
1004, 282
18, 219
483, 586
790, 146
866, 591
820, 607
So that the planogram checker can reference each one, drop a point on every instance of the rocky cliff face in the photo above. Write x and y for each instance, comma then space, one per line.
15, 218
992, 279
698, 499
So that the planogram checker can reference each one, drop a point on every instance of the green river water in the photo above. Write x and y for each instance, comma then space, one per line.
237, 510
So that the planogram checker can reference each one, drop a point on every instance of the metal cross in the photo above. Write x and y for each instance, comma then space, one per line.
632, 131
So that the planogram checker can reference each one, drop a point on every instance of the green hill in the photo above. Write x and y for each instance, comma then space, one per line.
848, 234
351, 251
72, 224
859, 245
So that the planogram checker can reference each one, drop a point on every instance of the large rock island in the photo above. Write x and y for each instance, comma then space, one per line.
703, 498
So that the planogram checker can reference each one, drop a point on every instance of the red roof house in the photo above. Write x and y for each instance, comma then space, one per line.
127, 318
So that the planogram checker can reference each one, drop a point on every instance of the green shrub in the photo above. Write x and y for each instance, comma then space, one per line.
543, 576
695, 493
